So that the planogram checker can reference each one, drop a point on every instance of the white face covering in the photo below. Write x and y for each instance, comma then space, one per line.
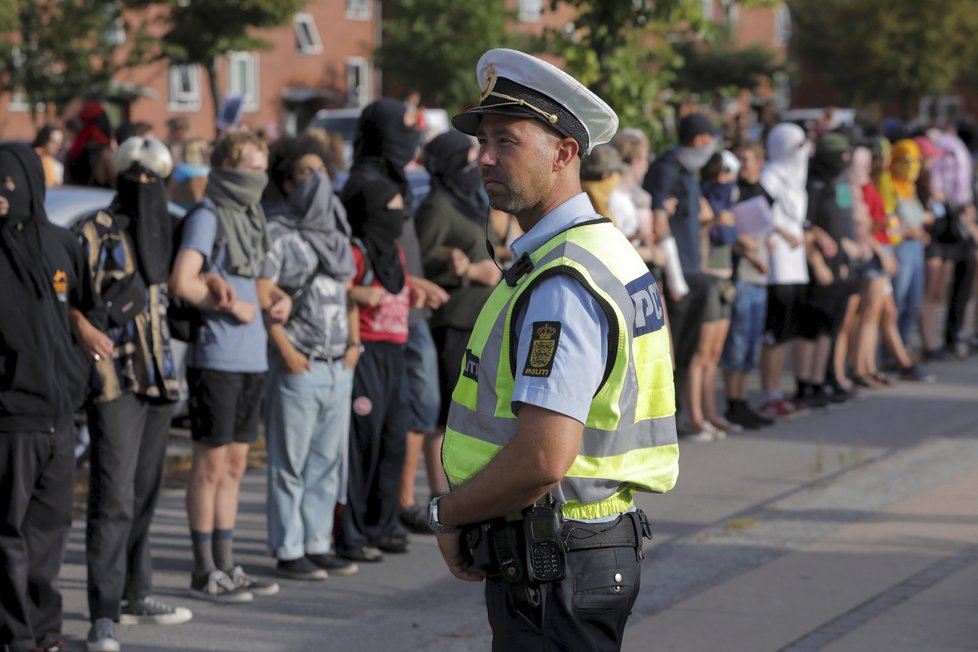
694, 158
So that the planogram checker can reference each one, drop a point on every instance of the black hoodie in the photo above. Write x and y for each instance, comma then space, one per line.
42, 270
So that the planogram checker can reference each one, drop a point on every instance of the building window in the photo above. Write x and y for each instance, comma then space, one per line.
243, 78
706, 9
184, 88
358, 9
18, 102
530, 10
782, 25
940, 110
306, 35
357, 82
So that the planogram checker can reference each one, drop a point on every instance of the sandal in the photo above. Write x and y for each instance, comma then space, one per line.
866, 382
882, 379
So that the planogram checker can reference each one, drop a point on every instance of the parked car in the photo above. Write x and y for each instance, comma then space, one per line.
67, 206
344, 123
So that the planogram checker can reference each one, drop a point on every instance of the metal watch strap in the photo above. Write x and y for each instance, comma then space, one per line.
433, 522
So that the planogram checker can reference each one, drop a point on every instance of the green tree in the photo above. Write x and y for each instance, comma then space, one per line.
199, 31
432, 46
55, 51
625, 52
890, 49
721, 68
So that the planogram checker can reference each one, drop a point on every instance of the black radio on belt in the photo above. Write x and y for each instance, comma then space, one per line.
545, 554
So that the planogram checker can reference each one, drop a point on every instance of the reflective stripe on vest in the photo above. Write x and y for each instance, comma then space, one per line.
629, 440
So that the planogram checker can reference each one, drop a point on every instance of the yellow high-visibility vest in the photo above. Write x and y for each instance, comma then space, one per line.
629, 440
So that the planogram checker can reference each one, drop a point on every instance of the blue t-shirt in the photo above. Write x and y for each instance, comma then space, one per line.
223, 343
668, 178
563, 306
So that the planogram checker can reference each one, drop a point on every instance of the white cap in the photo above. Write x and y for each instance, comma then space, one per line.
517, 84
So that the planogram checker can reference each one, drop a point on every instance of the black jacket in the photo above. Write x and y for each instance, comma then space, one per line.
42, 270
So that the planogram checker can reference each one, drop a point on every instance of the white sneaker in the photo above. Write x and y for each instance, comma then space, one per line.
718, 433
101, 637
150, 611
216, 586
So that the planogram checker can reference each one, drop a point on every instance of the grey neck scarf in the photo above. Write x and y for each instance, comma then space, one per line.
236, 195
316, 212
694, 158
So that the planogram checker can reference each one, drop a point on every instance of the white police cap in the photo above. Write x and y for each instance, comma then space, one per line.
517, 84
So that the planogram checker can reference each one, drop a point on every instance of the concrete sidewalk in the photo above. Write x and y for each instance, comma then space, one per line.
903, 577
847, 531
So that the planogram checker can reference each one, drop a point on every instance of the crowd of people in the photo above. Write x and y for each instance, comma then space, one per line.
336, 321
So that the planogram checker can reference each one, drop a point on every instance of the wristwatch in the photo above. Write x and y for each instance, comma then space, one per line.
433, 522
357, 345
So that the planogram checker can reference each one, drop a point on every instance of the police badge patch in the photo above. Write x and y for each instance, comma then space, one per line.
543, 347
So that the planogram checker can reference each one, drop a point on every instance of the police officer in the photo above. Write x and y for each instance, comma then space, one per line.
566, 403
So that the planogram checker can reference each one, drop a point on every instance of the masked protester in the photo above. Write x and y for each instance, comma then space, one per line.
45, 277
451, 226
908, 283
689, 292
307, 393
134, 387
375, 197
225, 235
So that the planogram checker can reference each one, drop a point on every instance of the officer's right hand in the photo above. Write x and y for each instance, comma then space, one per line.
450, 544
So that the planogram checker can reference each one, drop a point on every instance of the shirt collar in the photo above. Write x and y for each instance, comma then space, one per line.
575, 210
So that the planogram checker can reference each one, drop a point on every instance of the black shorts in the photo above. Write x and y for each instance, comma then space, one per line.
225, 406
781, 319
822, 311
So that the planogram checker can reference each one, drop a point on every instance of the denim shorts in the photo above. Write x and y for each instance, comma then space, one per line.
421, 375
742, 348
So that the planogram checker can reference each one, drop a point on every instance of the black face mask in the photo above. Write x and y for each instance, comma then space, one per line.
149, 225
14, 188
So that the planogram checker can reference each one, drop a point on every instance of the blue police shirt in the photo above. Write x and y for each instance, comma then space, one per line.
581, 353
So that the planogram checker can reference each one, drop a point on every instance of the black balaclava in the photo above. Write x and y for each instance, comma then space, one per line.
831, 157
379, 227
447, 161
148, 225
381, 133
25, 195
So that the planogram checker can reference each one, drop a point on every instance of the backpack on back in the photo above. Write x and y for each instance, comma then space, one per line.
183, 317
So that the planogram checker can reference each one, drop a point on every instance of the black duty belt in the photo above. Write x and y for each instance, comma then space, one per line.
588, 536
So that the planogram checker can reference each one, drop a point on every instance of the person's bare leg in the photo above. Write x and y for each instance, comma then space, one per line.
841, 354
714, 348
772, 365
869, 329
821, 352
891, 334
206, 470
936, 282
804, 359
415, 442
229, 486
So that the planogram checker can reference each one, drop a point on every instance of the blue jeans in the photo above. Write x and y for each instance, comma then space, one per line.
421, 376
908, 286
307, 425
742, 348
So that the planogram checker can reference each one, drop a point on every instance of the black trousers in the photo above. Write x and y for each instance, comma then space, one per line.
128, 452
685, 320
587, 610
36, 487
378, 440
964, 276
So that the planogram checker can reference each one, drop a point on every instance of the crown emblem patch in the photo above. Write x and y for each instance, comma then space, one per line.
543, 347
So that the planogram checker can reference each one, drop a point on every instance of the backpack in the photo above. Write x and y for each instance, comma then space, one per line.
184, 318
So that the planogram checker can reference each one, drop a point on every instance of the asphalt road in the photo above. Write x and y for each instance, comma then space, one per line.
745, 555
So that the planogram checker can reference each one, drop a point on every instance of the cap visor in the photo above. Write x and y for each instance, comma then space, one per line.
468, 122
